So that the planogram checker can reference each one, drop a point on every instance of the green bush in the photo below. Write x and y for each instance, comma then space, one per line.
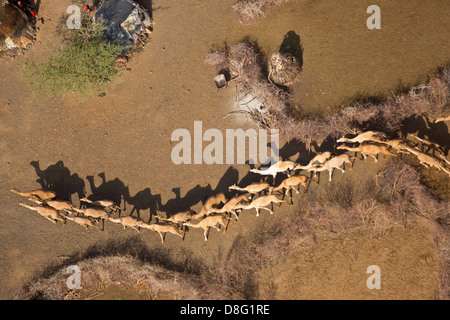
81, 67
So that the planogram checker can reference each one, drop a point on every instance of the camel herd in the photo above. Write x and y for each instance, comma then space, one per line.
218, 210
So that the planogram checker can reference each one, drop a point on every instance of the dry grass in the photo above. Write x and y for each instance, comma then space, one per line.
253, 10
440, 232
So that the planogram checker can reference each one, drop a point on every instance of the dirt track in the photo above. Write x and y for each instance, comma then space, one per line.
126, 136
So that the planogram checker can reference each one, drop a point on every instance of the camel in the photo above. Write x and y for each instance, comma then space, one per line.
320, 158
210, 221
444, 159
291, 183
93, 212
84, 221
233, 205
210, 203
273, 170
262, 202
162, 229
365, 136
334, 163
106, 204
57, 204
368, 149
48, 212
397, 144
128, 221
446, 118
253, 188
427, 143
40, 193
179, 217
428, 161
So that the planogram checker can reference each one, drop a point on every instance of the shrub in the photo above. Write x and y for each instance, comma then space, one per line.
252, 10
82, 66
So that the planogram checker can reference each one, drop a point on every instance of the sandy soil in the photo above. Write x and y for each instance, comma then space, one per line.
120, 144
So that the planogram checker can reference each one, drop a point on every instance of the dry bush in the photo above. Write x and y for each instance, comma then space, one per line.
101, 272
246, 64
215, 58
253, 10
269, 244
394, 198
400, 187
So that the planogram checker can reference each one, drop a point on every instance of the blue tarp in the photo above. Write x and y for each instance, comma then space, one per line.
113, 13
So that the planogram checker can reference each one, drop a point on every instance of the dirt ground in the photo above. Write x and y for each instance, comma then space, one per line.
119, 144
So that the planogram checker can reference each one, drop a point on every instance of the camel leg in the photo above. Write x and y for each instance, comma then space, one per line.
271, 212
51, 220
177, 234
292, 199
224, 226
375, 158
305, 186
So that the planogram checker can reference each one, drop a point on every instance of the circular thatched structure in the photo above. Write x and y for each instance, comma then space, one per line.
284, 68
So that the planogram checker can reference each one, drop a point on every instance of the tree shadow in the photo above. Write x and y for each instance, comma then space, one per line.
147, 4
36, 4
57, 178
291, 44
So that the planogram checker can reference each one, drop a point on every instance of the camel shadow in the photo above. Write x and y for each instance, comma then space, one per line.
190, 199
113, 190
144, 200
199, 194
57, 178
423, 128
